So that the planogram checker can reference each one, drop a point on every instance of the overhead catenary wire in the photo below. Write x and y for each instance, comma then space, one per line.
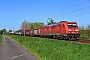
72, 11
72, 6
67, 8
76, 15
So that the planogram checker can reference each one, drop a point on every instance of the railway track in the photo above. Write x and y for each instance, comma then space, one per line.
81, 41
78, 41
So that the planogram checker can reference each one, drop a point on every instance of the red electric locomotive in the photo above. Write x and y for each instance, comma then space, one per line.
62, 30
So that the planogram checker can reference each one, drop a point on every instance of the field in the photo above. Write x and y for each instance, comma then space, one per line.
84, 34
54, 49
0, 39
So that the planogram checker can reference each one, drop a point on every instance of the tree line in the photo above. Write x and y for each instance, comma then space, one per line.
4, 31
35, 25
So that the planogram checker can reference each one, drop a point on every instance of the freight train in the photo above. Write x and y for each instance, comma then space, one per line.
61, 30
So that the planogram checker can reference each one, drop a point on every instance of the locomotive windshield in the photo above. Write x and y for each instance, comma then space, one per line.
72, 25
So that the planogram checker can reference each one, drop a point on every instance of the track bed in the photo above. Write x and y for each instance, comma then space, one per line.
82, 41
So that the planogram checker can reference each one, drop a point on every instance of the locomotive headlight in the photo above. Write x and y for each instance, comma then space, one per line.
69, 30
76, 30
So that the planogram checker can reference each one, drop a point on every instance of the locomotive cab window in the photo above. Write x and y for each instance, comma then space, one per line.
72, 25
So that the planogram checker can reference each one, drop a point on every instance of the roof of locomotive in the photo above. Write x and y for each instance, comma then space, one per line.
60, 23
68, 22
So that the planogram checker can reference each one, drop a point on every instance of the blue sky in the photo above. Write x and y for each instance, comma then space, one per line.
14, 12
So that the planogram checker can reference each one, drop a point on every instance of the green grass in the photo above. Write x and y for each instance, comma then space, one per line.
0, 39
83, 34
54, 49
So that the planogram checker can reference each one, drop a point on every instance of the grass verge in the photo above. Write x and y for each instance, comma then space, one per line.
54, 49
0, 39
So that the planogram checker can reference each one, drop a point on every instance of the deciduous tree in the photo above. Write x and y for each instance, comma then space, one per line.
1, 32
25, 24
31, 25
37, 25
81, 27
4, 31
50, 21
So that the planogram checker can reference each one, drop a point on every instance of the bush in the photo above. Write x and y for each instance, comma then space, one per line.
0, 39
83, 34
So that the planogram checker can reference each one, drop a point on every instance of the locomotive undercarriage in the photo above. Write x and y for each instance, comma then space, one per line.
61, 36
71, 36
